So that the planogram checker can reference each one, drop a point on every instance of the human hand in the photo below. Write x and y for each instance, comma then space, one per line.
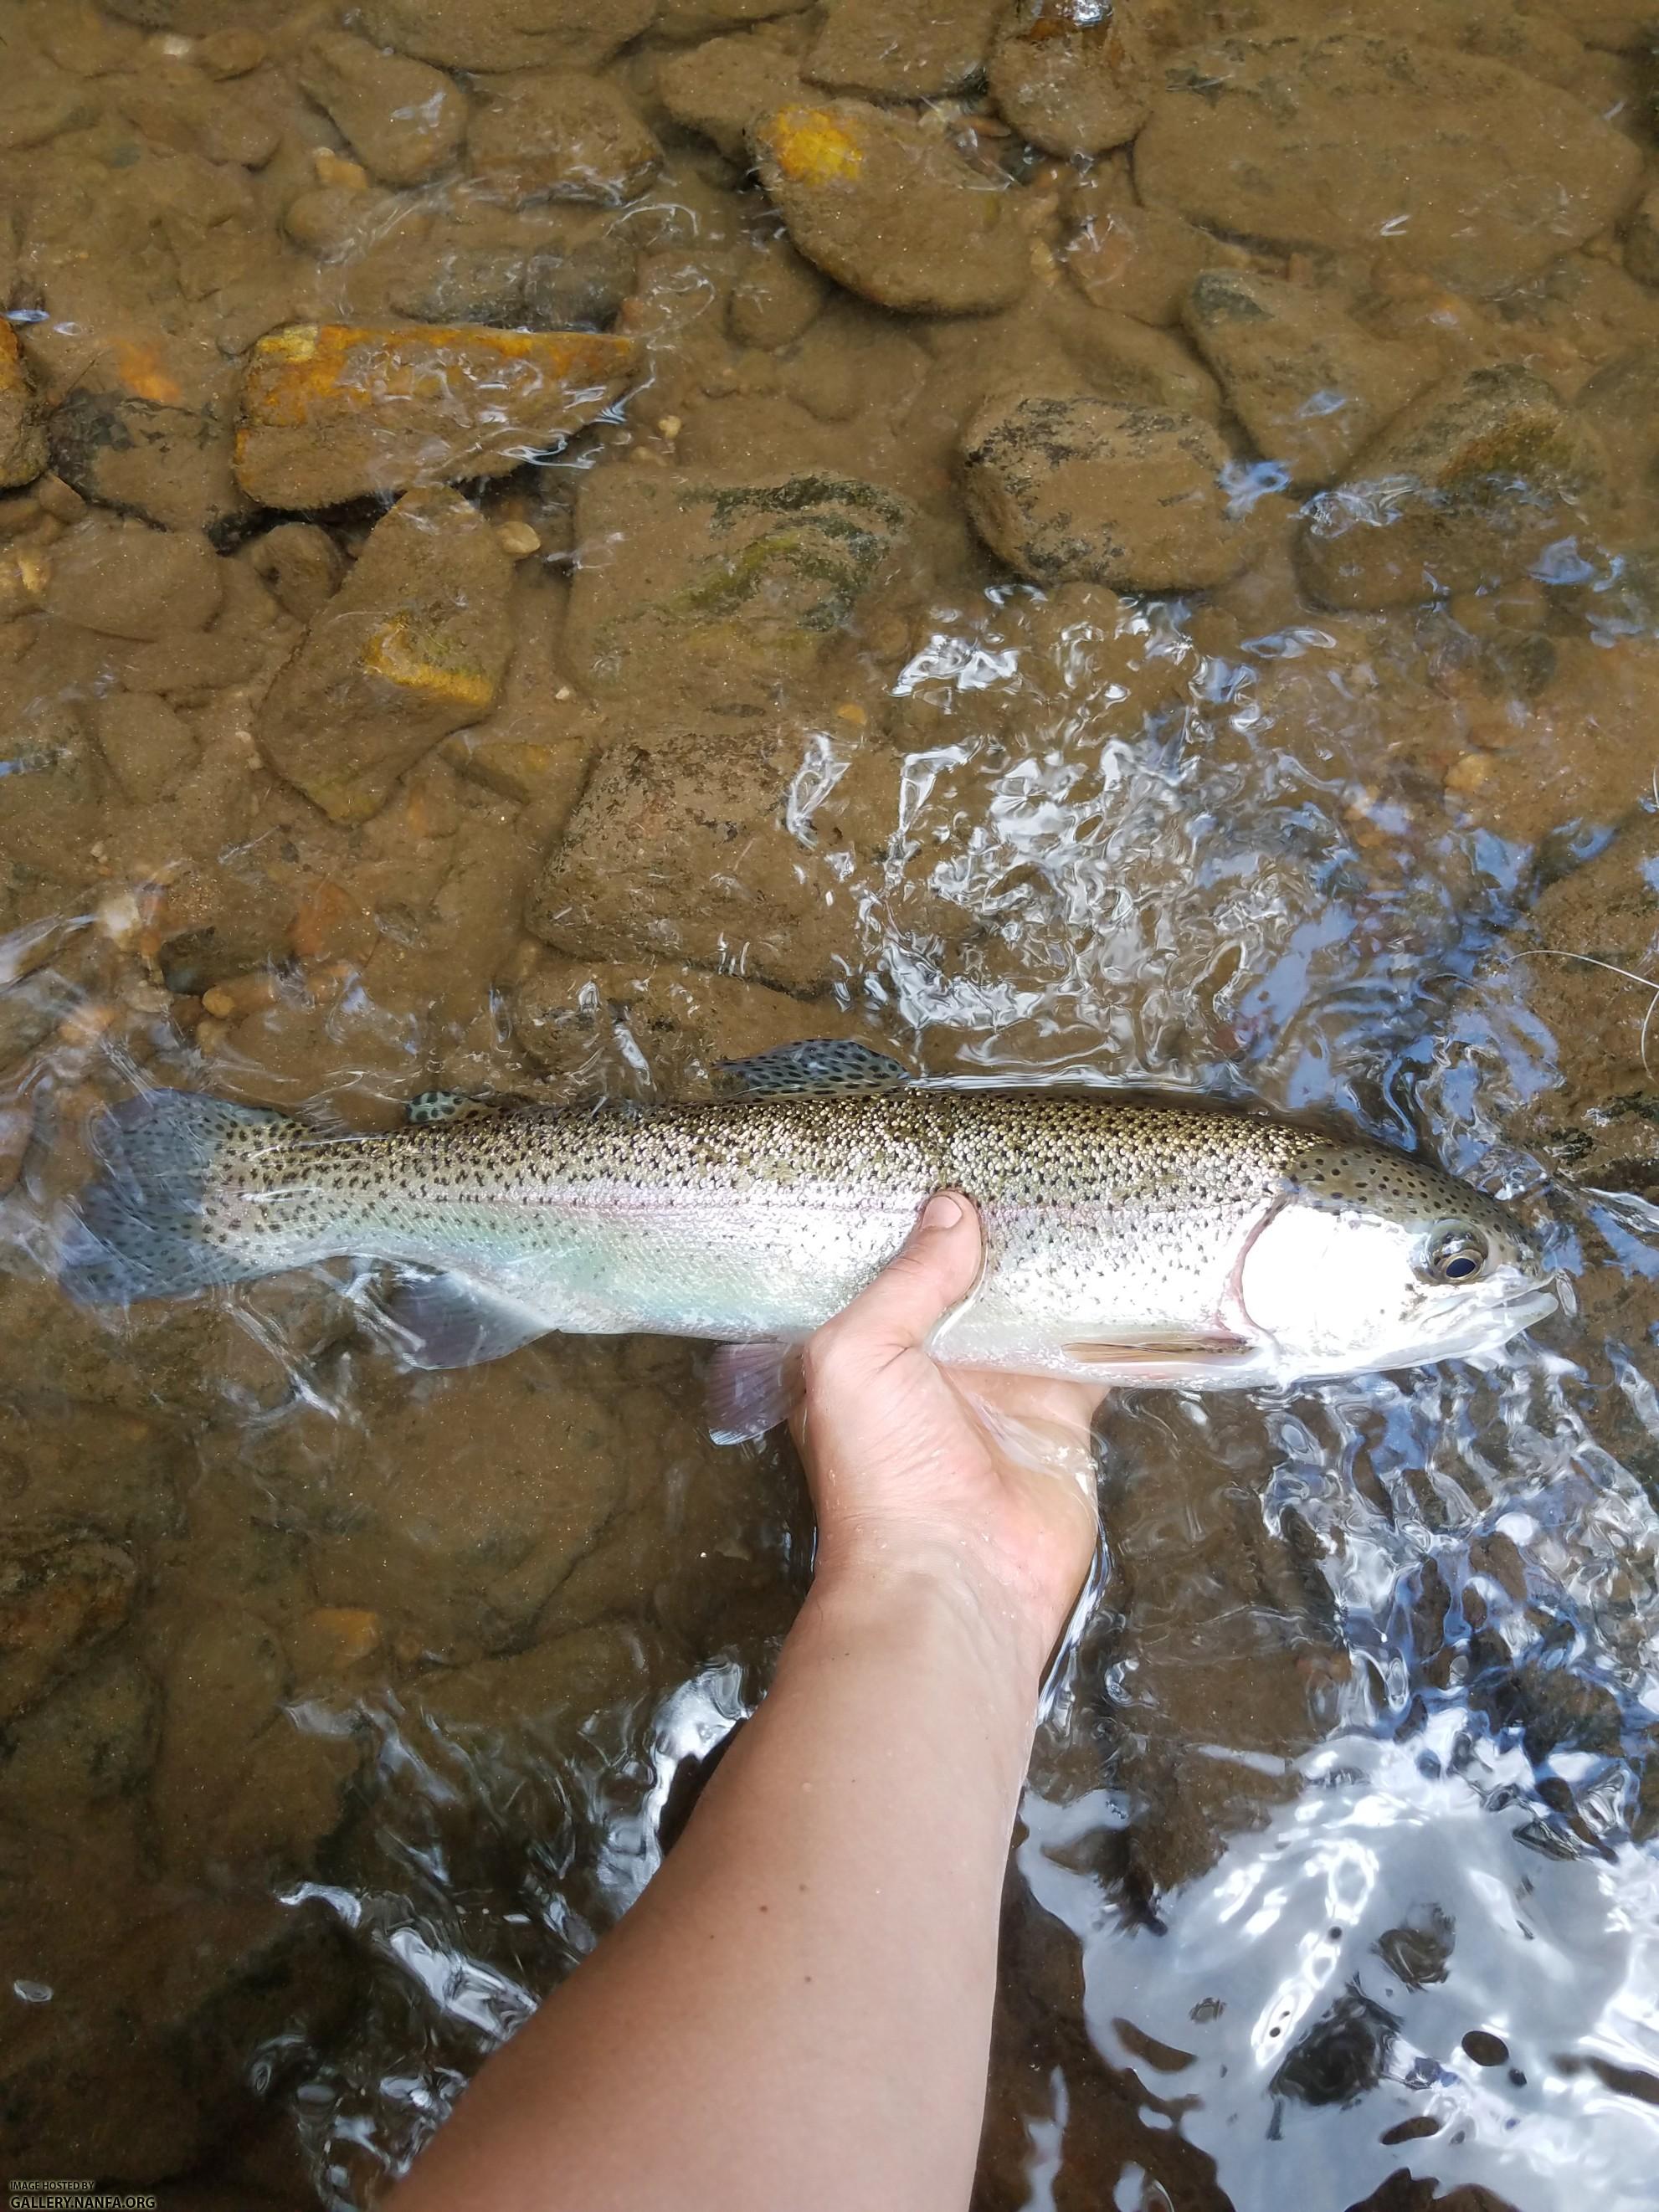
983, 1477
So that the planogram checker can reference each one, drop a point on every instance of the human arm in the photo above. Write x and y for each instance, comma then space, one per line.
797, 2013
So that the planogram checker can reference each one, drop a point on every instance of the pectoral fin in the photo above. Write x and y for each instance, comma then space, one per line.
821, 1064
1100, 1352
1195, 1363
455, 1320
751, 1388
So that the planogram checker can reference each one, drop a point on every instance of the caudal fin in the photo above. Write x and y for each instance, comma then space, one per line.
153, 1225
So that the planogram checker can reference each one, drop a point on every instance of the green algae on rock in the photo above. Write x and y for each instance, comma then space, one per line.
728, 582
1463, 490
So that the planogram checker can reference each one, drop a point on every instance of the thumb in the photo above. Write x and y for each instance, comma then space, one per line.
935, 1270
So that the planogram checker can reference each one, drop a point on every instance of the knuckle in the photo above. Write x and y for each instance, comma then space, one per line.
830, 1358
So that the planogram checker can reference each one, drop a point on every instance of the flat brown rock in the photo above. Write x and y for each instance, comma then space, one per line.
1310, 385
1444, 162
413, 645
506, 35
694, 584
1463, 490
681, 847
559, 134
404, 119
902, 49
331, 411
1072, 75
887, 209
22, 437
1065, 488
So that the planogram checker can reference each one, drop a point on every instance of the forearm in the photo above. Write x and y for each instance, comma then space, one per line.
797, 2011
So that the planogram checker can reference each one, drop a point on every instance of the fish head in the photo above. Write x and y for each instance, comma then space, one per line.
1371, 1260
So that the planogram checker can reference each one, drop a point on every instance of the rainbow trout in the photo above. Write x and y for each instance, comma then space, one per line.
1128, 1240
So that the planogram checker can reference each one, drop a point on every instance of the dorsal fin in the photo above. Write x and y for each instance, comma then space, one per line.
819, 1066
432, 1110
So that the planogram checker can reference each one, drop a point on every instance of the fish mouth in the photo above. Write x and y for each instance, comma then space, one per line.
1498, 1324
1530, 1306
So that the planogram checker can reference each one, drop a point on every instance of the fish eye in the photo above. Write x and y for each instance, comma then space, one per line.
1454, 1255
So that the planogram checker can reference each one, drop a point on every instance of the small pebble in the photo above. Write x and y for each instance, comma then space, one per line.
59, 500
332, 168
1470, 772
516, 539
230, 52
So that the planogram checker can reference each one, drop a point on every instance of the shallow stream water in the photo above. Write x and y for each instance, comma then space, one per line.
777, 690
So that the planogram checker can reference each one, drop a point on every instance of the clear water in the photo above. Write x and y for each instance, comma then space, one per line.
1336, 1862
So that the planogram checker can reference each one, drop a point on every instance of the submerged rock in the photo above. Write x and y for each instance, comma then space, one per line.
1072, 75
902, 49
559, 134
93, 1738
1598, 1122
331, 411
1310, 385
1444, 162
171, 465
1139, 260
506, 35
22, 436
725, 87
696, 584
776, 299
1064, 487
551, 267
1621, 406
681, 849
300, 565
125, 579
580, 1022
146, 745
414, 644
1642, 241
885, 206
469, 1566
61, 1597
402, 120
1463, 490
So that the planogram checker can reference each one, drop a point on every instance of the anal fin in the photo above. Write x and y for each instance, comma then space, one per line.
455, 1320
752, 1388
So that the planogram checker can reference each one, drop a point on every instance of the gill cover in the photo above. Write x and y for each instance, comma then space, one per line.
1340, 1274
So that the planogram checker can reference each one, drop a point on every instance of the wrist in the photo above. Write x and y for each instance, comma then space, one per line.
936, 1587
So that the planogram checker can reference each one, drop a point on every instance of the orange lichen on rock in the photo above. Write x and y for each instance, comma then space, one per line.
332, 411
811, 145
22, 436
139, 369
420, 658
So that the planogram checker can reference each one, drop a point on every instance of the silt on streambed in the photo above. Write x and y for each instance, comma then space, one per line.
549, 546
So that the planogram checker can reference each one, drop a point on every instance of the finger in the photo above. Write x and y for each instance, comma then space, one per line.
935, 1271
